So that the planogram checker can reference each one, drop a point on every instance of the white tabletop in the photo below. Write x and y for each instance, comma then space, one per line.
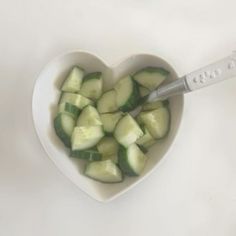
193, 192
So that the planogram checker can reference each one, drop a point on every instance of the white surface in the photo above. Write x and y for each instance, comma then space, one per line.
45, 105
193, 193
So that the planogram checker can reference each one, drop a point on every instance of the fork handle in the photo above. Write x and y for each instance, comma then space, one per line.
205, 76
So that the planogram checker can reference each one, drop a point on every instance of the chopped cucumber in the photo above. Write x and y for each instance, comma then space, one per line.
151, 77
89, 117
146, 140
143, 91
69, 109
84, 137
127, 94
107, 102
88, 154
154, 105
109, 121
104, 171
73, 81
157, 122
107, 146
75, 99
131, 160
127, 131
92, 86
97, 114
64, 125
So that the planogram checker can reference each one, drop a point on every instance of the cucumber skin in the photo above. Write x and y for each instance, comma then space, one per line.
71, 110
133, 100
123, 162
60, 132
86, 154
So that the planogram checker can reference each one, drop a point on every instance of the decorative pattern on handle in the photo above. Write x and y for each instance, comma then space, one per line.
213, 73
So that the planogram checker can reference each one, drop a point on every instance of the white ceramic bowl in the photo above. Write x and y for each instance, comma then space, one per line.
45, 98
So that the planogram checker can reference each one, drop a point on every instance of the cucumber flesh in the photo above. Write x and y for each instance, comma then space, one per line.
88, 154
157, 122
131, 160
151, 77
107, 146
69, 109
89, 117
92, 86
107, 102
127, 131
73, 81
84, 137
104, 171
75, 99
127, 94
64, 125
109, 121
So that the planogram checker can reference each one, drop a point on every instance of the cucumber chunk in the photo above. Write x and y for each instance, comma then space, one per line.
127, 94
75, 99
107, 102
151, 77
157, 122
104, 171
64, 125
88, 154
84, 137
73, 81
127, 131
109, 121
92, 86
89, 117
107, 146
131, 160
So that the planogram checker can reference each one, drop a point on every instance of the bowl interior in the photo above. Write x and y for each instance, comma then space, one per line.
44, 107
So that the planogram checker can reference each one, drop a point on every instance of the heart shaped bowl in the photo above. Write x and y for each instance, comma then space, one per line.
44, 107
